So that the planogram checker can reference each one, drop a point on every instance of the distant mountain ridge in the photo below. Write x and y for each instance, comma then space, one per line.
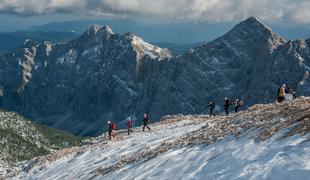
12, 41
79, 85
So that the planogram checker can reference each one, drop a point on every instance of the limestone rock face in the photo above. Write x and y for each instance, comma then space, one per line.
79, 85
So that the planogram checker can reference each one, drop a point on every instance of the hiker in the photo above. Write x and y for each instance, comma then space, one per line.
211, 108
145, 122
294, 95
110, 130
129, 125
238, 104
281, 93
227, 105
112, 127
287, 89
289, 94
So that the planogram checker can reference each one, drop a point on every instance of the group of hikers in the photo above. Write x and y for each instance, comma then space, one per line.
112, 126
284, 93
227, 104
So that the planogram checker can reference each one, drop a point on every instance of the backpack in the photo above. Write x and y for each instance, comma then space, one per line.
282, 92
146, 119
210, 105
228, 102
129, 123
113, 126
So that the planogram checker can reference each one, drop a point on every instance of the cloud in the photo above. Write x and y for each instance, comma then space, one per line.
195, 10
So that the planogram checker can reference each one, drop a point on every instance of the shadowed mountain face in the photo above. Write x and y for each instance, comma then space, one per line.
79, 85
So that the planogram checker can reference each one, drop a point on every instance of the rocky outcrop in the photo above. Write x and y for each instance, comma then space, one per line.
79, 85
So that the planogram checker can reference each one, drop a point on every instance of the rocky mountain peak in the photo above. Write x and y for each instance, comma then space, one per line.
96, 34
28, 43
253, 31
252, 24
94, 29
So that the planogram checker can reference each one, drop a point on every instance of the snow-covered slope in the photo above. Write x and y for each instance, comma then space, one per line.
264, 142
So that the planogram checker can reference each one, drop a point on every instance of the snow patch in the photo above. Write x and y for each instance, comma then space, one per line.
125, 85
69, 58
48, 48
148, 49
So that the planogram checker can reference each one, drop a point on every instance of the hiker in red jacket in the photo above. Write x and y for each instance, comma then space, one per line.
129, 125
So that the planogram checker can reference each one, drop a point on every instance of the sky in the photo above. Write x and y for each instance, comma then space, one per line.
26, 13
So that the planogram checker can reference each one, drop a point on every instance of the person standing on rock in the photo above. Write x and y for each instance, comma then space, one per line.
227, 105
145, 121
211, 108
281, 93
112, 128
129, 125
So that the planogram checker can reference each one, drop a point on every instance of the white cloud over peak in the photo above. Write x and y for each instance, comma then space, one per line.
297, 11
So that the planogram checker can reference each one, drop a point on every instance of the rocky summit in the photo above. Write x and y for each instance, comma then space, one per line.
79, 85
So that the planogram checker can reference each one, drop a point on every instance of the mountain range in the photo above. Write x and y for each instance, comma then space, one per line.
78, 85
11, 41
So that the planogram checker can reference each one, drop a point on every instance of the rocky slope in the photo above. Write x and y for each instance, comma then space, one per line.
20, 139
269, 141
79, 85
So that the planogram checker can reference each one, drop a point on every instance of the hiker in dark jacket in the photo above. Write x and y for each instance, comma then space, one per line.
227, 105
145, 122
129, 125
294, 95
211, 108
238, 104
110, 130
